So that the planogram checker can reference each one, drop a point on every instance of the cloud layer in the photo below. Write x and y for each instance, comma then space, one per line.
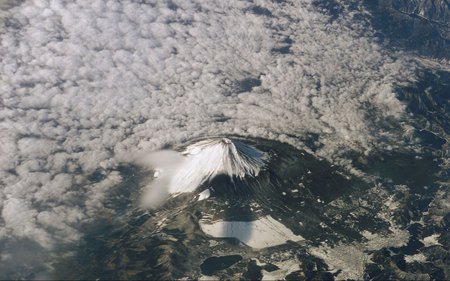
85, 83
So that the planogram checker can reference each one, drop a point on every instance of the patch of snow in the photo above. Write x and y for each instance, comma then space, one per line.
204, 195
262, 233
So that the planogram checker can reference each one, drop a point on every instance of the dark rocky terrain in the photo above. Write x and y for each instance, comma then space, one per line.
421, 25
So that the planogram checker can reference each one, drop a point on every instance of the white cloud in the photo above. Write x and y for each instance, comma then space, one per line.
20, 218
261, 233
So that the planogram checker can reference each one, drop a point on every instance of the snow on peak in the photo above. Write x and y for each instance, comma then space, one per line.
199, 162
219, 156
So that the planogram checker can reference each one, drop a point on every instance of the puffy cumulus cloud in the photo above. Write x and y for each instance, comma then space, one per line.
21, 220
85, 82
